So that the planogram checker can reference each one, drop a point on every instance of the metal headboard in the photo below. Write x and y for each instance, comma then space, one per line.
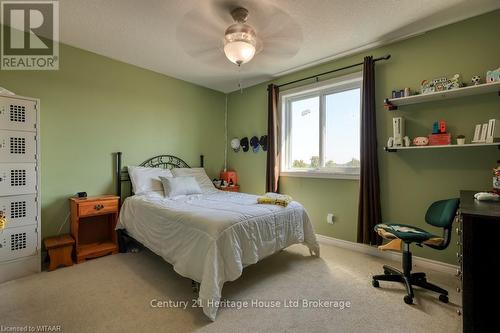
160, 161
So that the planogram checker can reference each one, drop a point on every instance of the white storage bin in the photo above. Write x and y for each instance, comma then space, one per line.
17, 146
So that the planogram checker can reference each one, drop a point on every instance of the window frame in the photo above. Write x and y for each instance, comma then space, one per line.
321, 90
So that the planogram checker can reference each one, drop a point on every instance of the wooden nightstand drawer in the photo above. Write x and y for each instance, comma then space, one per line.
97, 207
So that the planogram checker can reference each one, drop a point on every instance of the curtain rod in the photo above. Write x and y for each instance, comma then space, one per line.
386, 57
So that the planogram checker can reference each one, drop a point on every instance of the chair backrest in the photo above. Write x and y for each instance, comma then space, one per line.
442, 213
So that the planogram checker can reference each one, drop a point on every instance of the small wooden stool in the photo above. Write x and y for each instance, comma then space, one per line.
60, 249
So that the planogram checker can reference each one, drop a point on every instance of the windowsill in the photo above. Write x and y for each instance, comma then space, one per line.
319, 174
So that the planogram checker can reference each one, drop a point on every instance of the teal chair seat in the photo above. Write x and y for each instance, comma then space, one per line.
406, 233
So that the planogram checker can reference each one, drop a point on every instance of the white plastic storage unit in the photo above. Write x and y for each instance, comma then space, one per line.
20, 242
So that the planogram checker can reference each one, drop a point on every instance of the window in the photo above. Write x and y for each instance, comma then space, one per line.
321, 129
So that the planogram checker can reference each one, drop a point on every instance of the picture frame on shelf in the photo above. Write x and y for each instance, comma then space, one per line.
484, 133
477, 134
493, 131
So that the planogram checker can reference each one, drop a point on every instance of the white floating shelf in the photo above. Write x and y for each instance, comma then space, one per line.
440, 95
393, 149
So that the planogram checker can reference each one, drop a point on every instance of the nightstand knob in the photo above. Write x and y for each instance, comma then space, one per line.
98, 207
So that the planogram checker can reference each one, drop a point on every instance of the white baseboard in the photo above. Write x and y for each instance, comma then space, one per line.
372, 250
17, 268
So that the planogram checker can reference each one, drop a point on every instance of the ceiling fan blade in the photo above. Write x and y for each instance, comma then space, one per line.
199, 31
279, 47
280, 35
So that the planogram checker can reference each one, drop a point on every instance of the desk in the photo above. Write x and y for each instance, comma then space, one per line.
480, 235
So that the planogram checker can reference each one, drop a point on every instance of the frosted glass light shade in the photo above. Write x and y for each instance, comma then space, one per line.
239, 52
239, 43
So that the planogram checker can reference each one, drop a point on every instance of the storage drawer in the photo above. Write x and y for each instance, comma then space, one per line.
16, 146
20, 210
17, 114
18, 242
97, 207
17, 178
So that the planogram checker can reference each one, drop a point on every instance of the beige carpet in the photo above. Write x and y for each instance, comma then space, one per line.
113, 294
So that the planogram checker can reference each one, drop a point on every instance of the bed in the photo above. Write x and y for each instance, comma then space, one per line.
210, 237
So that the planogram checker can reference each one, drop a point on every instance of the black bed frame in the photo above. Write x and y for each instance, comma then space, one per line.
160, 161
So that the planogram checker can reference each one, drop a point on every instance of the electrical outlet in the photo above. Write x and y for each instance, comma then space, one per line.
329, 218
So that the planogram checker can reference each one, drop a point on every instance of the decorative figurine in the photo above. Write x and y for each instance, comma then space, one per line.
398, 93
493, 76
454, 83
406, 141
441, 84
496, 180
435, 128
476, 80
426, 87
439, 135
442, 126
421, 141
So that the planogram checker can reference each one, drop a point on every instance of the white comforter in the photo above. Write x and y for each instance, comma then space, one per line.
211, 237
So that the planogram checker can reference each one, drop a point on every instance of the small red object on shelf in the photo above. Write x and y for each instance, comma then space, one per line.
388, 105
442, 126
439, 139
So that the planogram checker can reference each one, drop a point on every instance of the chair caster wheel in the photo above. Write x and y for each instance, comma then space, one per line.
375, 283
443, 298
386, 272
408, 299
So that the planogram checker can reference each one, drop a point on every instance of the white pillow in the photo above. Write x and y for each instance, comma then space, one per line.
199, 174
147, 179
175, 186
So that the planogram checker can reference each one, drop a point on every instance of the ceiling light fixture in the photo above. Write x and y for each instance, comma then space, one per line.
240, 38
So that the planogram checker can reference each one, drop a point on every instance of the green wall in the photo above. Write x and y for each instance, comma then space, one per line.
410, 180
94, 106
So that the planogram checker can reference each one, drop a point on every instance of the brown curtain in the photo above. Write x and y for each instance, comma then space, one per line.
369, 194
273, 138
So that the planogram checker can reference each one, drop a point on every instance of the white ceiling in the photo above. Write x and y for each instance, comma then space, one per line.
149, 33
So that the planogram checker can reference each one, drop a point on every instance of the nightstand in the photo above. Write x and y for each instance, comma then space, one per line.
235, 188
93, 222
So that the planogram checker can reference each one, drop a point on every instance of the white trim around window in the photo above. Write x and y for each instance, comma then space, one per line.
319, 90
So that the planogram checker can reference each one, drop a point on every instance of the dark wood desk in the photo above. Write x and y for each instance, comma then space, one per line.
480, 235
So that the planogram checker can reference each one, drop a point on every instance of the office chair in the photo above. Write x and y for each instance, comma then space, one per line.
439, 214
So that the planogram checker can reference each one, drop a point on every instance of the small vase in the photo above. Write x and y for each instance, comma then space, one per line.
460, 141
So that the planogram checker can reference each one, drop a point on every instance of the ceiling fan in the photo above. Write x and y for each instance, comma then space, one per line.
217, 31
